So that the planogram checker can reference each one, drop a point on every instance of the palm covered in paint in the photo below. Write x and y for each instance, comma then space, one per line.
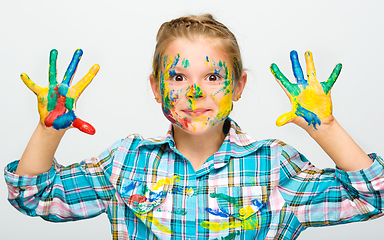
310, 99
56, 102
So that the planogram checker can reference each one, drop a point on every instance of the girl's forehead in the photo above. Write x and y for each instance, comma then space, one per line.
198, 51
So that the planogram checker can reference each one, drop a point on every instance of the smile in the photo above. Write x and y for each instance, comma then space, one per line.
196, 112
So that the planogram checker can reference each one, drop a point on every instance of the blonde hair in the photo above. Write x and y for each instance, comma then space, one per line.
192, 27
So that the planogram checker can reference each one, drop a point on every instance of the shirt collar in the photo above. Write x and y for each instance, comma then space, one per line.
236, 143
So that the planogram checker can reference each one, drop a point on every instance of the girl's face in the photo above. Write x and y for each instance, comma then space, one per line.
196, 85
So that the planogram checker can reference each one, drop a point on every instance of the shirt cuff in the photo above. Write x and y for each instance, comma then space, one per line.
23, 181
375, 171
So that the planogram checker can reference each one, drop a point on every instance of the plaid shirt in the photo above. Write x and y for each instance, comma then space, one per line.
247, 190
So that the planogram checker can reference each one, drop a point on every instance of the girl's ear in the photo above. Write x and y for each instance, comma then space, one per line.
239, 87
155, 85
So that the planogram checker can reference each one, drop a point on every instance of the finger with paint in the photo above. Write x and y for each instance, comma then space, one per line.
56, 102
310, 99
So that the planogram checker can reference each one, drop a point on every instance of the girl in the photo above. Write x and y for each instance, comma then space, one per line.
205, 179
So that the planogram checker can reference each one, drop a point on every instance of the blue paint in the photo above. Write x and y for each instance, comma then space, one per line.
156, 196
216, 212
297, 70
177, 189
207, 59
63, 89
128, 188
310, 117
64, 121
72, 66
172, 72
175, 61
217, 71
257, 203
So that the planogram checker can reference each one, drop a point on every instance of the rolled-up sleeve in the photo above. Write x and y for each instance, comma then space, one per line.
78, 191
321, 197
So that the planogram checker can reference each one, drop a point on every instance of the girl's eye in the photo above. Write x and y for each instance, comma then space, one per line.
178, 78
213, 78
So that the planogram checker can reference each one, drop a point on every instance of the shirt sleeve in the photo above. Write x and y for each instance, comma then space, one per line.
75, 192
321, 197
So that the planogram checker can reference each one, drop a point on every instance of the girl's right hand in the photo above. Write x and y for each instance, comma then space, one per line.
56, 102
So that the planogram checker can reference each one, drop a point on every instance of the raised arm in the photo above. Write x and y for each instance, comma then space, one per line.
312, 110
56, 105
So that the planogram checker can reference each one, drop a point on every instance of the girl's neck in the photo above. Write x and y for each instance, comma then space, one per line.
198, 148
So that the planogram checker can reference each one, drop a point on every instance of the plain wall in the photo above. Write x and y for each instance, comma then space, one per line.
120, 36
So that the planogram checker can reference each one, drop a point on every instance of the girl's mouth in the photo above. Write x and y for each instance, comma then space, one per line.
197, 112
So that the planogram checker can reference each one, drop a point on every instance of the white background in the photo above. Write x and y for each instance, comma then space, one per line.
120, 36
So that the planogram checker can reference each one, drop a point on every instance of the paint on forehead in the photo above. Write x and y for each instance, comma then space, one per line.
169, 66
185, 63
219, 68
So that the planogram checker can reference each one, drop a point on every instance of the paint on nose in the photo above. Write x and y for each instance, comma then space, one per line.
194, 91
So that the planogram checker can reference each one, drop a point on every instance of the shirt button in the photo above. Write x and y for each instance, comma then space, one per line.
242, 211
190, 192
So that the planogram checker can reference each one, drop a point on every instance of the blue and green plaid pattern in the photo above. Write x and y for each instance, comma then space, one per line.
247, 190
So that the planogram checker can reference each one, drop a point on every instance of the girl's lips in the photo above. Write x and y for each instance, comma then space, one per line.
196, 112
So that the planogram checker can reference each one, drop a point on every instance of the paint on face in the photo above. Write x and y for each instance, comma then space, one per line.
185, 63
171, 93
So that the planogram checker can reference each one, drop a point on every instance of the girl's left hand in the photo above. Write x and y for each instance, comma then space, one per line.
311, 100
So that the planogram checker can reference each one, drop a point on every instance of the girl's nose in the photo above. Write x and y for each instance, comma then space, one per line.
194, 91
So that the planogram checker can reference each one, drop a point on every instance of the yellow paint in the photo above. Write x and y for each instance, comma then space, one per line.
165, 181
250, 224
225, 104
42, 92
312, 97
220, 226
190, 192
75, 91
166, 72
149, 219
242, 211
246, 212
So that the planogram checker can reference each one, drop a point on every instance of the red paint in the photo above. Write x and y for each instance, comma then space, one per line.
84, 126
184, 122
56, 112
136, 199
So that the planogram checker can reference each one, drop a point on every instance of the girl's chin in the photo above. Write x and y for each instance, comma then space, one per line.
197, 127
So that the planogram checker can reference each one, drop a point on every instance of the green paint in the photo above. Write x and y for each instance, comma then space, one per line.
180, 211
185, 63
225, 197
69, 103
230, 236
197, 91
293, 89
165, 61
327, 85
52, 96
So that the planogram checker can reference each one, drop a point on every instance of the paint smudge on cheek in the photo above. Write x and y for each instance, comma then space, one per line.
170, 95
223, 98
